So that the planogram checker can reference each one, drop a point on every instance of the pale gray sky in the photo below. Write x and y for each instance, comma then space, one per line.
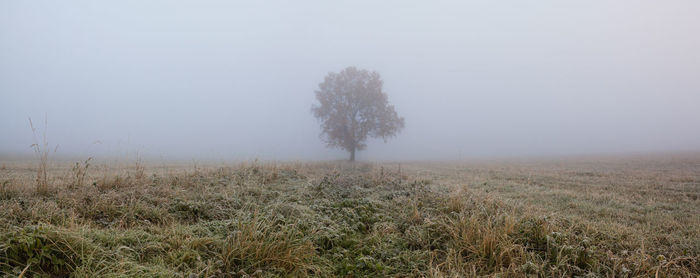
235, 79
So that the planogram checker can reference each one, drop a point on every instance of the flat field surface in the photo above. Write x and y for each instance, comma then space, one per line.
594, 217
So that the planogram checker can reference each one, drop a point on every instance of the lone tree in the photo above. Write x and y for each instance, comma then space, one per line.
352, 106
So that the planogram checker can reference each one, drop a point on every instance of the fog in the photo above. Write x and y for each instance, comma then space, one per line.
235, 80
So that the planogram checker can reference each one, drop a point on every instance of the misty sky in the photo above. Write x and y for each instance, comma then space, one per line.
236, 79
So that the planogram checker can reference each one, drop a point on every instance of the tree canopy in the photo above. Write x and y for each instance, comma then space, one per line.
352, 107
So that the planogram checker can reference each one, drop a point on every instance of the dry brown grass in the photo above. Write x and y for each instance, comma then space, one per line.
41, 149
607, 217
79, 173
259, 243
637, 211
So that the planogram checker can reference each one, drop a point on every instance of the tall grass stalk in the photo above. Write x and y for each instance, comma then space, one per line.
41, 149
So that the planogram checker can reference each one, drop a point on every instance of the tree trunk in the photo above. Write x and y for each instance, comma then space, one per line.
352, 154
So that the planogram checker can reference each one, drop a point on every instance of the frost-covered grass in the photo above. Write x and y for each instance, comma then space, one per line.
599, 218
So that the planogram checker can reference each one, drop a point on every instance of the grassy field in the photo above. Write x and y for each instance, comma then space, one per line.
591, 217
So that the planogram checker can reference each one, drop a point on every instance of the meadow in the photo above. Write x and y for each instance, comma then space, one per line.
632, 216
